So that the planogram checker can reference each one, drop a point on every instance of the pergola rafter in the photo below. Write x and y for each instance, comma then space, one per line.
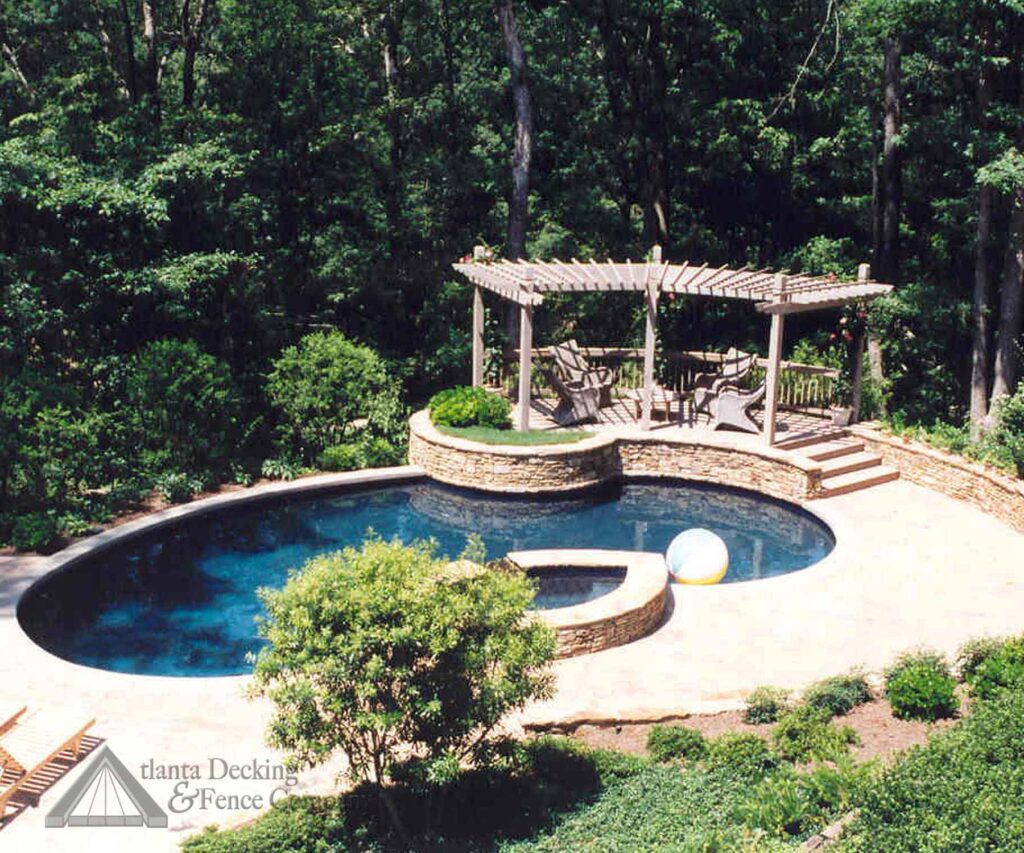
774, 293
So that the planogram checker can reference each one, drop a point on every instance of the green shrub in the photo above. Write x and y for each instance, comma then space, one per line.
184, 408
743, 753
73, 524
839, 694
971, 654
764, 704
465, 406
176, 487
389, 653
1009, 432
1002, 669
35, 531
779, 806
297, 824
379, 452
342, 457
807, 733
322, 390
666, 743
282, 469
919, 686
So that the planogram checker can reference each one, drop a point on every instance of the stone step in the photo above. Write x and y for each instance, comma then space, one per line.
856, 480
807, 439
833, 449
848, 462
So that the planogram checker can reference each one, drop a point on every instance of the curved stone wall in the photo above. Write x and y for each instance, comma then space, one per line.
626, 614
553, 468
995, 494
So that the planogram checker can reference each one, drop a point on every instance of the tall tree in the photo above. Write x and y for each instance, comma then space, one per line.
519, 198
888, 264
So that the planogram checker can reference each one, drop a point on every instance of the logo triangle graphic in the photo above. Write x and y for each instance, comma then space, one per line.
106, 794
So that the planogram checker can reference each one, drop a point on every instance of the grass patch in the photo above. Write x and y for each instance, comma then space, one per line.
514, 438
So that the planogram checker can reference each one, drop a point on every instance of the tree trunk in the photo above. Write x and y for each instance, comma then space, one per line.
892, 178
657, 206
1004, 380
149, 39
10, 56
980, 326
191, 33
518, 206
393, 121
131, 75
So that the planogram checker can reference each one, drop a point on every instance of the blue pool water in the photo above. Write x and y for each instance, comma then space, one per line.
182, 600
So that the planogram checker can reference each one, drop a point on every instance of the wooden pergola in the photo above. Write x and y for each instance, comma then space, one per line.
776, 294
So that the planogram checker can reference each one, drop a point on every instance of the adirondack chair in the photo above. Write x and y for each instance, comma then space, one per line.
731, 406
735, 368
577, 402
573, 367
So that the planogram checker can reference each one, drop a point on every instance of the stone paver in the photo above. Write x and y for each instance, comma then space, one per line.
910, 567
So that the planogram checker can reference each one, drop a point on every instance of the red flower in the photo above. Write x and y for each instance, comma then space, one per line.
847, 336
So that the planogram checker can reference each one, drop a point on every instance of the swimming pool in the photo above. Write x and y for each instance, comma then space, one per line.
182, 600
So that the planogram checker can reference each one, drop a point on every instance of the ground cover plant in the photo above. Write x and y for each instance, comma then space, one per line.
527, 438
765, 703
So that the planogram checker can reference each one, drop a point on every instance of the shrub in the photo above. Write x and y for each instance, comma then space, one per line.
322, 388
666, 743
779, 805
282, 469
184, 406
1009, 432
1002, 669
764, 704
73, 524
464, 406
293, 823
177, 487
839, 694
342, 457
807, 733
35, 531
388, 651
974, 651
919, 686
743, 753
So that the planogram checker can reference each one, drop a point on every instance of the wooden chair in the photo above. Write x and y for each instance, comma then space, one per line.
731, 406
577, 401
32, 742
573, 367
735, 367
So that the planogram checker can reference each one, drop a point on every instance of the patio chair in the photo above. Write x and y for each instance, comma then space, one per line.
573, 367
30, 744
736, 366
731, 406
577, 401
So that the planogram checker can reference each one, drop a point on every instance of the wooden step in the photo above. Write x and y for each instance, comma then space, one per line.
838, 465
856, 480
833, 449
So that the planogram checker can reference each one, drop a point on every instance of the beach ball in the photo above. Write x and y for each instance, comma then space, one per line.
697, 556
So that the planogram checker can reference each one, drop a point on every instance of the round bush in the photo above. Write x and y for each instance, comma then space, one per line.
342, 457
806, 733
35, 531
1002, 669
743, 753
839, 694
920, 687
465, 406
764, 704
666, 743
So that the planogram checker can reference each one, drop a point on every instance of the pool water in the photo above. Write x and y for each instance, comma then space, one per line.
564, 586
182, 600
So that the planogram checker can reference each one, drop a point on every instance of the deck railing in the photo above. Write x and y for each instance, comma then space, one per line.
802, 387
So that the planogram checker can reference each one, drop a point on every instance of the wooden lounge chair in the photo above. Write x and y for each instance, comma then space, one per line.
9, 715
31, 743
573, 367
736, 366
731, 406
577, 402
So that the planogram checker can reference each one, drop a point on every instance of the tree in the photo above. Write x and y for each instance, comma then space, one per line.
388, 652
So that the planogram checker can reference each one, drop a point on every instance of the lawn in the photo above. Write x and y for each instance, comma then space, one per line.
515, 438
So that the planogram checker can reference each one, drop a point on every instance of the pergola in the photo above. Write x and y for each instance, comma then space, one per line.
776, 294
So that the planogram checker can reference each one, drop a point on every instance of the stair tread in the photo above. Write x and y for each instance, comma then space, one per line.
855, 480
848, 463
800, 441
833, 449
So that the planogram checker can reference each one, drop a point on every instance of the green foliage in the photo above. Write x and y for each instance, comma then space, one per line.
177, 487
838, 694
1001, 669
342, 457
919, 686
806, 733
528, 438
466, 406
35, 531
1009, 432
282, 469
960, 791
765, 703
742, 753
666, 743
298, 824
974, 651
322, 387
389, 648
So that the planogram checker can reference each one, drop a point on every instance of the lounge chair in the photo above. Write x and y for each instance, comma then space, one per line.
577, 401
9, 715
736, 366
731, 407
30, 743
573, 367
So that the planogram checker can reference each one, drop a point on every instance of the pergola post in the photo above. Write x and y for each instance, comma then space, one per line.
478, 336
650, 341
771, 403
525, 354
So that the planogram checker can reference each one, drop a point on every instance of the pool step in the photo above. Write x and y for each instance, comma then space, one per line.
854, 481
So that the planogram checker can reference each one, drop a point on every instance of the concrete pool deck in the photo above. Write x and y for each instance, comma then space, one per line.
911, 567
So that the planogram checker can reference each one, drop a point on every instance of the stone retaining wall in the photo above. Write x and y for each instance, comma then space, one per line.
995, 494
727, 459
